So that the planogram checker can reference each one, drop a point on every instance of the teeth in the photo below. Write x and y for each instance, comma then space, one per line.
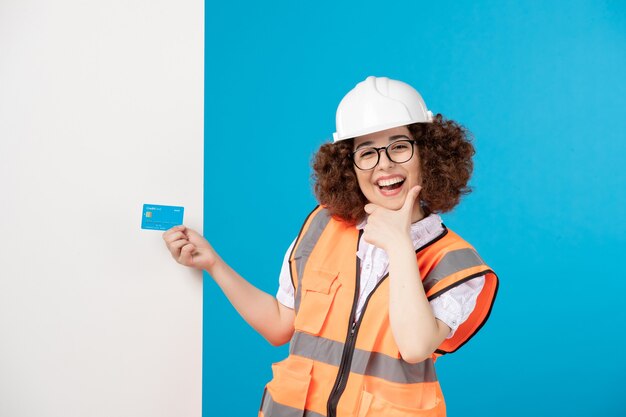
391, 181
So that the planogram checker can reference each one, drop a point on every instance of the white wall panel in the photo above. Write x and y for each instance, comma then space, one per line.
101, 110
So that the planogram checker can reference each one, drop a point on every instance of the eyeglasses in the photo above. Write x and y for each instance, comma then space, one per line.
399, 152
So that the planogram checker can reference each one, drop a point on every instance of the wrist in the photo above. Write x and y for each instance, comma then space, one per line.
401, 245
214, 268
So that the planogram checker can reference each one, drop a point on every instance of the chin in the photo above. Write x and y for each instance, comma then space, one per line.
395, 204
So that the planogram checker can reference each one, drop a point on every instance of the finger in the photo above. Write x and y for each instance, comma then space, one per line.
368, 238
195, 237
370, 208
410, 198
191, 232
174, 237
173, 230
175, 247
180, 227
186, 257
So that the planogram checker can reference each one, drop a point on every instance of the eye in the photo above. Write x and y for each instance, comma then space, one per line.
400, 146
367, 153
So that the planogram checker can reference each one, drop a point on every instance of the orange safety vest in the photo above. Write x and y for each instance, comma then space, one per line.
341, 367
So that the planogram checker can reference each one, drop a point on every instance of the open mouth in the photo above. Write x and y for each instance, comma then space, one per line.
390, 184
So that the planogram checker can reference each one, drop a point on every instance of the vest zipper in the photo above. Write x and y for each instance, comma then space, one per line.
340, 384
344, 370
348, 349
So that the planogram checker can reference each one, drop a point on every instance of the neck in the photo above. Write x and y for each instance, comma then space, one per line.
418, 213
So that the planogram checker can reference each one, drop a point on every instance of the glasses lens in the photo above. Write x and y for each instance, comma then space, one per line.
400, 151
366, 158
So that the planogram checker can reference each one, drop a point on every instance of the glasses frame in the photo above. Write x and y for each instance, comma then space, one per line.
412, 141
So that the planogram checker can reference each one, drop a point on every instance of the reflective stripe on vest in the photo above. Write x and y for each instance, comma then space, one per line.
452, 262
314, 226
363, 362
269, 407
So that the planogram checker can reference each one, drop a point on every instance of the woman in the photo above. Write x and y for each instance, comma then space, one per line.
374, 287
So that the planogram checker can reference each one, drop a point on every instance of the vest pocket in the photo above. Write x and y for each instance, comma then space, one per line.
288, 387
375, 406
318, 293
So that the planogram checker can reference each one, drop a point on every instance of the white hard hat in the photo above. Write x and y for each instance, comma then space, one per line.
376, 104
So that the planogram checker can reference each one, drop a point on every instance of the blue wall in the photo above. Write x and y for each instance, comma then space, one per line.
540, 84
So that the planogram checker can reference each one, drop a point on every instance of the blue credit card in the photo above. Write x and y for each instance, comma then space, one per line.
156, 217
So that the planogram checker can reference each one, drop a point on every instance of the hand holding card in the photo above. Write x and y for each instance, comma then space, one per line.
190, 248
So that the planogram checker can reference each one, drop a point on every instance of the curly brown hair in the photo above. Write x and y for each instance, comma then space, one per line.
445, 150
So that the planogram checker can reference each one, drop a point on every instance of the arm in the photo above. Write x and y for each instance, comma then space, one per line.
260, 310
416, 330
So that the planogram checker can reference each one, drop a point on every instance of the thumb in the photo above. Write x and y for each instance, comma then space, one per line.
193, 235
186, 254
411, 196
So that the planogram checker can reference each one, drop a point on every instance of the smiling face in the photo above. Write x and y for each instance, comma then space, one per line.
388, 183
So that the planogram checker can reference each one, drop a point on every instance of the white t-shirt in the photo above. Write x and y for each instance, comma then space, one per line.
452, 307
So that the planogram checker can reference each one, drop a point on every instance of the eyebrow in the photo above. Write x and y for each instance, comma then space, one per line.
369, 142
